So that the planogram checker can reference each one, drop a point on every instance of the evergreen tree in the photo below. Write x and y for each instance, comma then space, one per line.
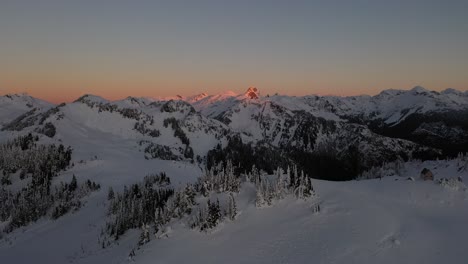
232, 207
145, 235
73, 184
190, 194
110, 194
259, 198
214, 214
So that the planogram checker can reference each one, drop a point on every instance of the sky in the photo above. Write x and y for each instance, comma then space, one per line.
60, 50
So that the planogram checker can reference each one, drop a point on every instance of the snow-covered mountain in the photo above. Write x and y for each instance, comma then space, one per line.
173, 127
13, 105
369, 130
390, 106
418, 114
86, 181
290, 127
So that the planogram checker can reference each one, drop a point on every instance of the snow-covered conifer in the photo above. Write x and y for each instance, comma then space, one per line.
232, 207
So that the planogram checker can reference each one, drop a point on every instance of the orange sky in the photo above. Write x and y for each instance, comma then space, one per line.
60, 50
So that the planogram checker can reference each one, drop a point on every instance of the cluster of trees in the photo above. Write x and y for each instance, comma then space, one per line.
452, 183
50, 112
139, 205
180, 134
67, 196
283, 183
462, 161
328, 165
160, 179
321, 164
325, 161
156, 151
212, 214
41, 162
209, 217
25, 120
161, 151
48, 129
130, 113
149, 205
152, 204
219, 179
141, 127
398, 167
246, 155
386, 169
31, 118
177, 106
38, 164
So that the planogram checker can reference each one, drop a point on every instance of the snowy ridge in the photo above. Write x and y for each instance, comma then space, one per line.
394, 113
13, 105
135, 119
392, 106
311, 124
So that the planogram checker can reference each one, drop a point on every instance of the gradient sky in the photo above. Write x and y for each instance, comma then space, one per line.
59, 50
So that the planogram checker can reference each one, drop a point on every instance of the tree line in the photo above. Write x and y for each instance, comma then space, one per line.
153, 204
37, 165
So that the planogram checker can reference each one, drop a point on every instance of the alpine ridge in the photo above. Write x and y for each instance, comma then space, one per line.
319, 133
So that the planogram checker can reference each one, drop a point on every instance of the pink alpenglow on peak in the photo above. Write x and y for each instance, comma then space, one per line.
252, 93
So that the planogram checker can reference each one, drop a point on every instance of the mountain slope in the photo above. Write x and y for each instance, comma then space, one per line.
172, 124
426, 117
320, 134
353, 133
14, 105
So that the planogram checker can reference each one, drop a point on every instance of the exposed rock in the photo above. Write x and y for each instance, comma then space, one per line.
172, 106
252, 93
427, 175
48, 130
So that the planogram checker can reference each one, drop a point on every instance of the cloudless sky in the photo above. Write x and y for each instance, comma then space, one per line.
59, 50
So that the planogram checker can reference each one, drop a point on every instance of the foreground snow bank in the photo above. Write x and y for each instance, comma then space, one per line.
388, 220
375, 221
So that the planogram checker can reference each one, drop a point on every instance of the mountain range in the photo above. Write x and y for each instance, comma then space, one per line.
330, 137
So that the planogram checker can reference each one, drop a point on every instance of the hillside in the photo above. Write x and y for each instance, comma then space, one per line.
351, 133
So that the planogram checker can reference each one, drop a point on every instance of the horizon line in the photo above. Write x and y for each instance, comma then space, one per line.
183, 97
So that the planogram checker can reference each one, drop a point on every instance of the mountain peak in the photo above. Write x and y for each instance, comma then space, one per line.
172, 106
25, 98
252, 92
419, 89
196, 98
451, 91
90, 98
18, 96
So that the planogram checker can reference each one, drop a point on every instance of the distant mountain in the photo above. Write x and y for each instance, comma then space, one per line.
431, 118
13, 105
156, 126
330, 137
